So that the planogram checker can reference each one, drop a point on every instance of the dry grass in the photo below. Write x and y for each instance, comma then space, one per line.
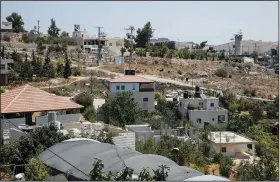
264, 84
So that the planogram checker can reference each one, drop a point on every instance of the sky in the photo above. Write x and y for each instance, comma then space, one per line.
213, 21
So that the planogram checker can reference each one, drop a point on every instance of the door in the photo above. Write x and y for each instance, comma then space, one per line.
206, 124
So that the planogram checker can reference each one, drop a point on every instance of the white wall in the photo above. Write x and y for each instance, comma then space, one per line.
183, 104
142, 136
125, 140
207, 116
128, 87
138, 97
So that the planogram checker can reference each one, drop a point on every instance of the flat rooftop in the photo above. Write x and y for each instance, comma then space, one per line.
228, 137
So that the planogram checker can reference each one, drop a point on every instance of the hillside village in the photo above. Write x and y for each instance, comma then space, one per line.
103, 108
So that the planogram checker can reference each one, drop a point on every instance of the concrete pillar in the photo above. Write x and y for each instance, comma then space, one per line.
166, 128
191, 132
169, 131
182, 124
175, 133
186, 130
161, 128
253, 150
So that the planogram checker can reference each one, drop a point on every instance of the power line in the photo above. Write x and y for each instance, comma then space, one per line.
28, 135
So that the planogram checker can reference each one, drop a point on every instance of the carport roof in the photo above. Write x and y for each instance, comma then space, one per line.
81, 154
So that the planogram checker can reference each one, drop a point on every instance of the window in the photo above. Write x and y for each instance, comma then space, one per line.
145, 99
213, 119
201, 104
180, 104
221, 118
123, 87
133, 87
118, 87
3, 66
198, 120
212, 104
224, 149
110, 44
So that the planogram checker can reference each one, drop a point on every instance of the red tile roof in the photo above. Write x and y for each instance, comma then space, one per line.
130, 79
30, 99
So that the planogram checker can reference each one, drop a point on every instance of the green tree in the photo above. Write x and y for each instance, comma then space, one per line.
40, 47
264, 170
77, 71
64, 34
31, 146
36, 170
143, 35
121, 110
90, 114
50, 70
202, 44
85, 99
225, 164
240, 123
59, 66
123, 50
67, 68
17, 22
53, 29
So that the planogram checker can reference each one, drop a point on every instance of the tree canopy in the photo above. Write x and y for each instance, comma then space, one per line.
121, 110
17, 22
53, 29
143, 35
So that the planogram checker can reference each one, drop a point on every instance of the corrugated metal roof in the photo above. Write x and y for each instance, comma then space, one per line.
82, 153
29, 99
130, 79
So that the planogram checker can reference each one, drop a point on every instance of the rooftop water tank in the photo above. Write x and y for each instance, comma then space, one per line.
52, 117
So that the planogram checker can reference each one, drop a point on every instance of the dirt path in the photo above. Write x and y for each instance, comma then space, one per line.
66, 84
164, 80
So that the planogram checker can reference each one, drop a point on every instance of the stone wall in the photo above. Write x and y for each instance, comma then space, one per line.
15, 37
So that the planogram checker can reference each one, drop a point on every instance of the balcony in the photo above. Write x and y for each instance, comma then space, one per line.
146, 87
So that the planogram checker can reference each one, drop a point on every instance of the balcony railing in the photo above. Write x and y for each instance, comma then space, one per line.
146, 87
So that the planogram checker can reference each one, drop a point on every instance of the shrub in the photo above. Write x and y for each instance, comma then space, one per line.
90, 114
193, 107
85, 99
6, 38
77, 71
2, 91
221, 73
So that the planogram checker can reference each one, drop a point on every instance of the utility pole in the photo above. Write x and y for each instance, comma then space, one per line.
99, 45
38, 28
131, 43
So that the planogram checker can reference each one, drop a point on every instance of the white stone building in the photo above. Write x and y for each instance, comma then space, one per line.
143, 90
231, 144
207, 111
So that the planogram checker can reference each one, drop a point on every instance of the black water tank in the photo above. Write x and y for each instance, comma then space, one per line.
185, 95
129, 72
